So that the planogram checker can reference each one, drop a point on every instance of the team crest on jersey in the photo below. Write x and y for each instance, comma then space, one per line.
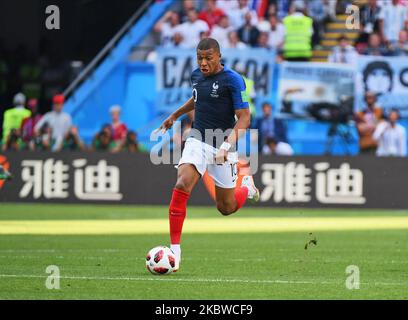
214, 92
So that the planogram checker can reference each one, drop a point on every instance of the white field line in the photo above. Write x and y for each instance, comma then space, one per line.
168, 279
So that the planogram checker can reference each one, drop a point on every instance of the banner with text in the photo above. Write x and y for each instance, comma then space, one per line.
304, 86
360, 182
387, 77
174, 67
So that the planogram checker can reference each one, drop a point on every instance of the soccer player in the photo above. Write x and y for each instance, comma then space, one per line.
218, 99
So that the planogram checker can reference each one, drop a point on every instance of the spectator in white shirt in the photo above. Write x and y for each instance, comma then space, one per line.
382, 3
167, 27
391, 137
392, 21
220, 31
276, 33
227, 5
233, 41
343, 53
275, 147
59, 122
192, 30
237, 16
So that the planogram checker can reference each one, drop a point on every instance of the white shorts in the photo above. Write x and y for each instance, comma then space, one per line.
202, 156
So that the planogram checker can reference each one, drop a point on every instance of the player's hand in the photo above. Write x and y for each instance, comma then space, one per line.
167, 124
221, 157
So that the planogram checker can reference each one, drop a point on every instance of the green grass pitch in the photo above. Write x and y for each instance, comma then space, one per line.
268, 264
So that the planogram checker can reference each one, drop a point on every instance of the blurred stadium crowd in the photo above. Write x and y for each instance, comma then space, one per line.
268, 24
239, 24
24, 128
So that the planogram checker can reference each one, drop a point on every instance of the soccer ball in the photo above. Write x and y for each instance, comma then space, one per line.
161, 260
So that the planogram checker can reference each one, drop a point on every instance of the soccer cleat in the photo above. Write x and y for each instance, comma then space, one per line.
177, 263
177, 266
177, 252
253, 192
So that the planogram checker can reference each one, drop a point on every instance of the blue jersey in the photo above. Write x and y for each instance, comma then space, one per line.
216, 98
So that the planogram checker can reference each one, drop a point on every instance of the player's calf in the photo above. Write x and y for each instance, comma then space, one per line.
226, 207
231, 200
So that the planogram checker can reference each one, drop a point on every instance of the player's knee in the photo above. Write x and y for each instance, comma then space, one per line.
182, 185
226, 208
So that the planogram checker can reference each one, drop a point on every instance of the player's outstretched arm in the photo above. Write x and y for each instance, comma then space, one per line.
185, 108
243, 123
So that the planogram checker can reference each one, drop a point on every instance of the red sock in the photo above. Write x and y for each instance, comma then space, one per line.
241, 195
177, 213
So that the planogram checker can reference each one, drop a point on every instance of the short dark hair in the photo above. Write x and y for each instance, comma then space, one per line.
208, 43
394, 110
271, 140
